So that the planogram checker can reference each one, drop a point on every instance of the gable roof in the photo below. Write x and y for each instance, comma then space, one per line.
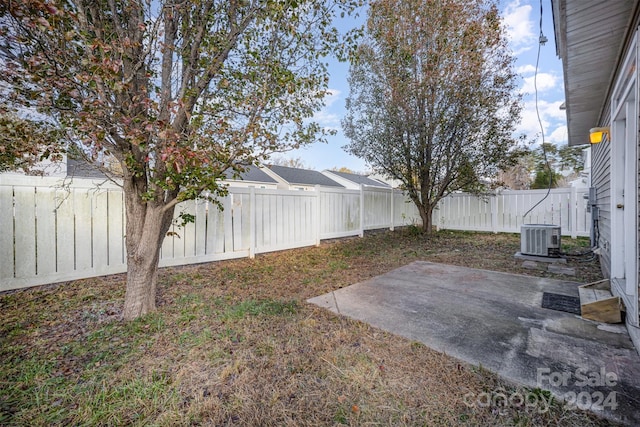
253, 174
360, 179
590, 38
80, 168
303, 176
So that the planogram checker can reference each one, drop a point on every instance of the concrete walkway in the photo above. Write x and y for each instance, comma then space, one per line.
495, 320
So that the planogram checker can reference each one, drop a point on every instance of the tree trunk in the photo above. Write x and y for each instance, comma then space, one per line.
147, 225
426, 214
142, 276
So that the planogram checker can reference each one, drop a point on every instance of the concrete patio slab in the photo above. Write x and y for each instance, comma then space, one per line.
495, 320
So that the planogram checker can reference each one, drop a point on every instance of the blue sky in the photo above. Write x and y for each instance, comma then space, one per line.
521, 18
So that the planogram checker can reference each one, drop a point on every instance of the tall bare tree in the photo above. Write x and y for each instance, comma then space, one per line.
433, 99
177, 91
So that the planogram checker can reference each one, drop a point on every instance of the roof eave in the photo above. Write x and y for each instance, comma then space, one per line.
590, 37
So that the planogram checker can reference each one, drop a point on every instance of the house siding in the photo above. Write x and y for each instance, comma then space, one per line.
599, 74
601, 180
634, 331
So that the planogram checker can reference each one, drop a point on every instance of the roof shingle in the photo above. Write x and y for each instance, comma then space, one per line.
303, 176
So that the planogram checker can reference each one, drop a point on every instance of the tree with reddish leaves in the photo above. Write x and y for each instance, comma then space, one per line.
433, 97
177, 92
24, 143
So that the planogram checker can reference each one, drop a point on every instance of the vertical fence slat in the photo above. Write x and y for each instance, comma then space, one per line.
252, 223
166, 250
83, 243
65, 248
182, 240
573, 211
227, 233
100, 233
6, 236
261, 223
25, 239
45, 231
215, 228
245, 234
273, 223
116, 228
185, 244
200, 227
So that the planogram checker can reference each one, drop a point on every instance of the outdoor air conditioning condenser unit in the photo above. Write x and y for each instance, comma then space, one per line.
540, 240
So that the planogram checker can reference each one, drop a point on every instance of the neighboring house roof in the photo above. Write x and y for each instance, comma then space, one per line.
303, 176
251, 174
359, 179
391, 182
590, 36
81, 169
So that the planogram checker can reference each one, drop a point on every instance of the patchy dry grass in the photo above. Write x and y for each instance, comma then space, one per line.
235, 343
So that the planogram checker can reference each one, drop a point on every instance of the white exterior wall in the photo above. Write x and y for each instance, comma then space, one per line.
248, 184
614, 174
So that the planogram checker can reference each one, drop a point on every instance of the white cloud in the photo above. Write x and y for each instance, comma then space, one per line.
529, 124
553, 121
325, 117
544, 82
519, 26
327, 120
552, 110
526, 69
558, 136
332, 96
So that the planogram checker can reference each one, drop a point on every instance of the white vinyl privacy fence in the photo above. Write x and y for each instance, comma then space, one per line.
504, 211
50, 233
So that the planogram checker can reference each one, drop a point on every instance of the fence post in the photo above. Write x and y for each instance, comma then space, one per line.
392, 210
361, 233
573, 213
494, 213
317, 215
252, 222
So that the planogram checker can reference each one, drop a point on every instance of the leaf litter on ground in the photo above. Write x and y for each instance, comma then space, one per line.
234, 342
